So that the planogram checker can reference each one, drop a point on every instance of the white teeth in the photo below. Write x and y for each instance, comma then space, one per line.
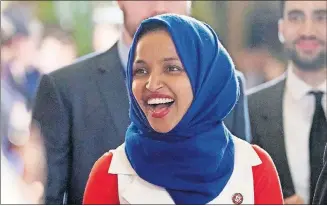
160, 100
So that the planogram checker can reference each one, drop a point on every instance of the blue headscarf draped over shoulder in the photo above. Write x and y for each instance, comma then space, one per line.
195, 160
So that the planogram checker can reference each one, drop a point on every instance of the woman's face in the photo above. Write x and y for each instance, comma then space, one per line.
160, 83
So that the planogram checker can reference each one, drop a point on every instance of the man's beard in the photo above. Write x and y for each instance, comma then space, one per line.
314, 64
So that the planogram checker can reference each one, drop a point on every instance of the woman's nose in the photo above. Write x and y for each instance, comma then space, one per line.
154, 82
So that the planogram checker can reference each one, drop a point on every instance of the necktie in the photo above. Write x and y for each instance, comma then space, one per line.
318, 139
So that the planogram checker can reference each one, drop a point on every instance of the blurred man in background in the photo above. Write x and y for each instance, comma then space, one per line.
288, 115
19, 70
83, 108
12, 99
22, 156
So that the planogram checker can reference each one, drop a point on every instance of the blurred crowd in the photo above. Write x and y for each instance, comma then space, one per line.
28, 50
31, 48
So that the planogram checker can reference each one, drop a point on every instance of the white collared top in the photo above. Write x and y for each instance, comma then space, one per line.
134, 190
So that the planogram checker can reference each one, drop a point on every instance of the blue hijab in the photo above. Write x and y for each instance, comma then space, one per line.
195, 160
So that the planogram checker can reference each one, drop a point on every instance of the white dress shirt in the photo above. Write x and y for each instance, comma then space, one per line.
123, 51
298, 110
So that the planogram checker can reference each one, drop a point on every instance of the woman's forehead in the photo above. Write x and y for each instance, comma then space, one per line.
155, 45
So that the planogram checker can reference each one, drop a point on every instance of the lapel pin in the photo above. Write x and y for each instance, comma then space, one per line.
237, 198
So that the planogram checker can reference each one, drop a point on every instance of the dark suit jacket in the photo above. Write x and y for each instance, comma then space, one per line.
320, 196
83, 112
266, 118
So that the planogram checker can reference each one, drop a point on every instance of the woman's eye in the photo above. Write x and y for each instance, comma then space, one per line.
174, 69
140, 72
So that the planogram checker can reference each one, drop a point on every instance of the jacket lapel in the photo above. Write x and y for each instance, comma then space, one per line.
141, 192
133, 189
111, 84
273, 117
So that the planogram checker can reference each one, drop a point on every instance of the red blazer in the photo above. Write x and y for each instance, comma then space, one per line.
102, 187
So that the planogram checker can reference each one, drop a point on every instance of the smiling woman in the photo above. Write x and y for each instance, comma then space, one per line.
182, 84
160, 84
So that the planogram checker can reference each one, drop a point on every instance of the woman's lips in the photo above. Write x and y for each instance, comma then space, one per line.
160, 111
158, 104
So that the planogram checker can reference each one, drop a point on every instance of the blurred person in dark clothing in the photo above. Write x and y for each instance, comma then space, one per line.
22, 157
10, 99
7, 30
18, 68
83, 108
288, 114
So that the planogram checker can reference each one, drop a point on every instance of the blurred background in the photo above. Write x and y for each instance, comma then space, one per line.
39, 37
61, 31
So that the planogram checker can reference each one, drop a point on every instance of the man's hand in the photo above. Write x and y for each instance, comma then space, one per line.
294, 200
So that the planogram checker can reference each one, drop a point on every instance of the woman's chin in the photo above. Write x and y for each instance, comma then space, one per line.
160, 126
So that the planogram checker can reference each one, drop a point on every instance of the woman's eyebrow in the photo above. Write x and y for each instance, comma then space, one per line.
167, 59
139, 61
